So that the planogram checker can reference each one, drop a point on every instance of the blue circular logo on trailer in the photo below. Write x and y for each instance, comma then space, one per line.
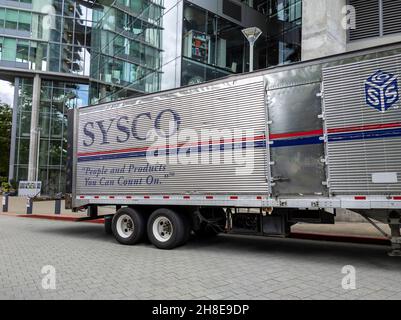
381, 90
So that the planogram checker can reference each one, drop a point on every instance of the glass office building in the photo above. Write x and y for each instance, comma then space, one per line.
214, 46
143, 46
50, 39
285, 31
174, 43
56, 98
126, 49
48, 36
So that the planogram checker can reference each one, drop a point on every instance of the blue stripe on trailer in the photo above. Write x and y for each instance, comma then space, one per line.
351, 136
296, 142
175, 151
377, 134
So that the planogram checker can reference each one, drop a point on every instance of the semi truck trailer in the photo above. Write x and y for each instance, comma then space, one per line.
249, 154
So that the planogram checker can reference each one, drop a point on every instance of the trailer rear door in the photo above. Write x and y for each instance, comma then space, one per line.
362, 108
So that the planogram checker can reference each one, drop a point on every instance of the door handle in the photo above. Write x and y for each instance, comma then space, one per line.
280, 179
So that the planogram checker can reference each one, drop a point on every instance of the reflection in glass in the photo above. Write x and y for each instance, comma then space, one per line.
55, 100
125, 52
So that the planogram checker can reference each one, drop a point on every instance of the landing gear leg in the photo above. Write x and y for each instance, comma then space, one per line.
394, 223
395, 238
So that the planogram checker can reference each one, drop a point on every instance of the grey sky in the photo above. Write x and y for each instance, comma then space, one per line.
6, 92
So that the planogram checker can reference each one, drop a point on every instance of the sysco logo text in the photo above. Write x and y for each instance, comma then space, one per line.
121, 129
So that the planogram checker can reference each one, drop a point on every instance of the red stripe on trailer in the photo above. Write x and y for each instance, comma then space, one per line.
112, 197
234, 198
146, 197
209, 197
245, 139
187, 197
398, 198
366, 127
82, 197
195, 144
259, 198
335, 130
166, 197
96, 197
360, 198
86, 154
128, 197
296, 134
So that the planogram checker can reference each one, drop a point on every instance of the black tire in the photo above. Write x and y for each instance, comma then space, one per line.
129, 236
176, 236
187, 228
108, 221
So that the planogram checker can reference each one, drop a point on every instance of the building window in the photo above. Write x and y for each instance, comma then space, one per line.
391, 16
11, 19
15, 20
125, 51
232, 10
22, 51
375, 18
198, 35
9, 49
214, 47
284, 25
284, 10
2, 17
24, 21
22, 1
54, 57
56, 99
38, 56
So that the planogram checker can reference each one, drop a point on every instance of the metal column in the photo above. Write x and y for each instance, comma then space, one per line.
34, 141
11, 174
5, 203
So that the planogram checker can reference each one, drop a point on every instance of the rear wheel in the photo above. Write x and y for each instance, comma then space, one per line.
168, 229
129, 226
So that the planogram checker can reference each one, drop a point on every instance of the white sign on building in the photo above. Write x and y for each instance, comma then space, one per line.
29, 188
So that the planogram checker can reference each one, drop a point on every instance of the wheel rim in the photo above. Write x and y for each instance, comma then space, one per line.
125, 226
162, 229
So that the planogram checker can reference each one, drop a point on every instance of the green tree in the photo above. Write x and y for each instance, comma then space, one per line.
6, 115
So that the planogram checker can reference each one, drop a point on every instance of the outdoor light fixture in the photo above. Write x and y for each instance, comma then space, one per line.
252, 34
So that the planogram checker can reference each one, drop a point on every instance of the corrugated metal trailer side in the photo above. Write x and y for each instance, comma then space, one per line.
116, 163
363, 140
304, 164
